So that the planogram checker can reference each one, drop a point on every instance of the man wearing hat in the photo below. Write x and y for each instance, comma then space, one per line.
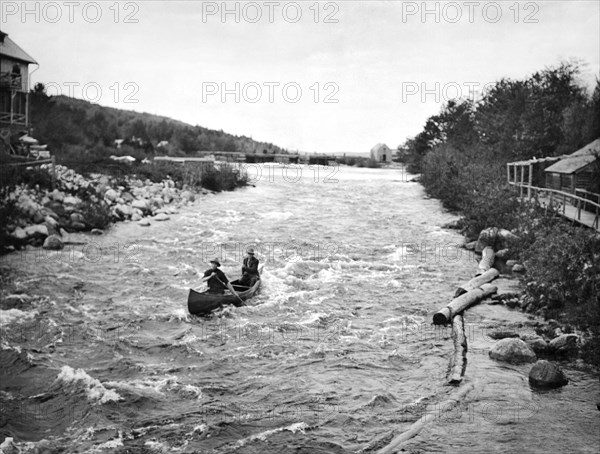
249, 269
216, 279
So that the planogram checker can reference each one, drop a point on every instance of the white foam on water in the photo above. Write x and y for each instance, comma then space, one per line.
112, 444
296, 427
15, 315
95, 389
277, 215
157, 386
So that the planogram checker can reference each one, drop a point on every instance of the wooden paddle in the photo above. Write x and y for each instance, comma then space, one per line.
234, 292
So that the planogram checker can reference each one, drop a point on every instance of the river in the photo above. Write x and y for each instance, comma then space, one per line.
336, 354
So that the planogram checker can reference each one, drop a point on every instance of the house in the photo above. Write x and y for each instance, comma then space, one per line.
381, 153
14, 88
578, 170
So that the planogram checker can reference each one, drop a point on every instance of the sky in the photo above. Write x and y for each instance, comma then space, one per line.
325, 77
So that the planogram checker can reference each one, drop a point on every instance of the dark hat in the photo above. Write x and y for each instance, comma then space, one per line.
250, 251
215, 260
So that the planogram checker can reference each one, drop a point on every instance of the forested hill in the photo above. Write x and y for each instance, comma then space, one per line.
71, 125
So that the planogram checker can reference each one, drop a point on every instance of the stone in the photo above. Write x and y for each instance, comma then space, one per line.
188, 196
53, 243
136, 217
140, 204
127, 197
97, 232
57, 195
77, 217
564, 344
545, 374
19, 233
39, 229
77, 226
513, 351
488, 237
538, 345
161, 217
144, 223
518, 268
124, 210
502, 334
111, 195
71, 200
511, 263
38, 217
503, 254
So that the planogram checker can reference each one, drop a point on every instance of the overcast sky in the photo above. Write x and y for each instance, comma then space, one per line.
384, 62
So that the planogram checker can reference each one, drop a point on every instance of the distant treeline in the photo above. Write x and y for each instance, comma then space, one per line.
74, 128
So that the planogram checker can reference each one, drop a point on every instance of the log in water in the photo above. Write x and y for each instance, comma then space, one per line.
458, 361
477, 282
461, 303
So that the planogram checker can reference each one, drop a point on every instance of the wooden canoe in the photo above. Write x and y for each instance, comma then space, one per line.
200, 303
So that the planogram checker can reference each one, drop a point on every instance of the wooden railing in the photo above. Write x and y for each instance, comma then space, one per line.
556, 197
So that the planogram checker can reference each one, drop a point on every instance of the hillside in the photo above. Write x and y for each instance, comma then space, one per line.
74, 126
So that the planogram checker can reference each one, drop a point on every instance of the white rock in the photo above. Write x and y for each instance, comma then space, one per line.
140, 204
31, 230
53, 243
111, 195
57, 195
161, 217
144, 223
124, 210
19, 233
71, 200
512, 350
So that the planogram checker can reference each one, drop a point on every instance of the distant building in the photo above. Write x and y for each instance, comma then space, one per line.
575, 171
14, 88
381, 153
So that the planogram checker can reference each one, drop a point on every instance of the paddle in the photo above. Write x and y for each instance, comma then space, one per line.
233, 291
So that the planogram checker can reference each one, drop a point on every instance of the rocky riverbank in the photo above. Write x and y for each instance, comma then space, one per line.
44, 217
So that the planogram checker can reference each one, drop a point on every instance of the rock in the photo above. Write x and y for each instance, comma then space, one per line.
502, 334
161, 217
503, 254
38, 217
8, 446
488, 237
188, 196
124, 210
71, 200
77, 217
39, 229
511, 263
512, 303
538, 345
19, 233
144, 223
140, 204
518, 268
513, 351
77, 226
127, 197
53, 243
111, 195
545, 374
470, 246
97, 232
136, 216
455, 225
506, 239
565, 344
57, 195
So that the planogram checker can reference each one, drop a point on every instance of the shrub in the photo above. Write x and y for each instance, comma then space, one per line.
96, 214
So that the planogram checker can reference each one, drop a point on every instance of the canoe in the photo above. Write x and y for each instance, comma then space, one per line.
200, 303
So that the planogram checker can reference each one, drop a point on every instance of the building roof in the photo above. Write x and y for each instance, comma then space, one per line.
379, 146
575, 161
10, 49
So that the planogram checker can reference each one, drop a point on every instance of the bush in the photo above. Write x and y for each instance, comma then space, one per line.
96, 214
226, 178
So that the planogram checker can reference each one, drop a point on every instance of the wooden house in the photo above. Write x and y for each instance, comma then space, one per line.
381, 153
576, 171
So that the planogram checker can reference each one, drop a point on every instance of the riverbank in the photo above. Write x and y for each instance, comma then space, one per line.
47, 205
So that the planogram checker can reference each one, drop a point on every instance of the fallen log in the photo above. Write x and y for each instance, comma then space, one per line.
478, 281
461, 303
458, 361
487, 260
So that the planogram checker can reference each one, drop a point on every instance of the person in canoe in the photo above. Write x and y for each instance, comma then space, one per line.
249, 270
216, 279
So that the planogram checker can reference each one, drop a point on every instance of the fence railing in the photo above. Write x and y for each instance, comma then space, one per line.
36, 162
555, 197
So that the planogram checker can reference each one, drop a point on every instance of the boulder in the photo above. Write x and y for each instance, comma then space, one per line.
39, 229
124, 210
511, 263
78, 226
500, 334
487, 237
503, 254
563, 345
536, 343
513, 351
71, 200
38, 217
506, 239
57, 195
545, 374
53, 243
97, 232
136, 216
188, 196
127, 197
140, 204
111, 195
518, 268
144, 223
77, 217
161, 217
19, 233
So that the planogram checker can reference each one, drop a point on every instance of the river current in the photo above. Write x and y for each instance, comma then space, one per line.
336, 354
